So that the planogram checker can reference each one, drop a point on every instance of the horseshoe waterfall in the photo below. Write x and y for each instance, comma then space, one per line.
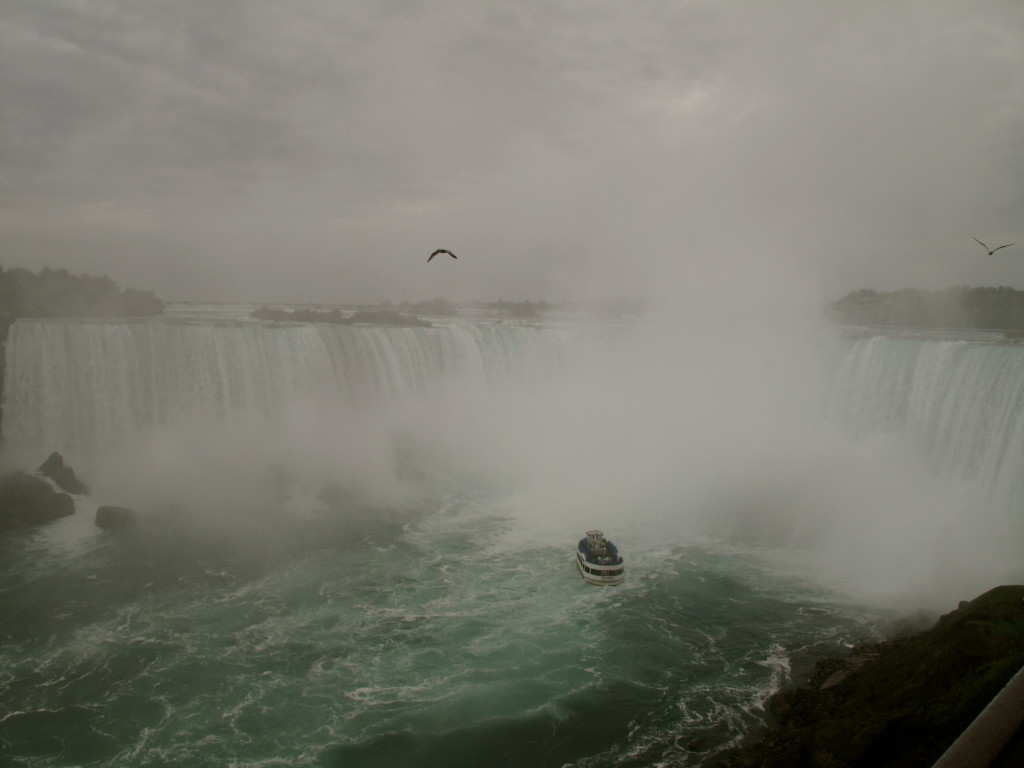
354, 545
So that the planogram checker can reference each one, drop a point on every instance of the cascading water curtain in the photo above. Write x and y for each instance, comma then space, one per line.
87, 387
961, 402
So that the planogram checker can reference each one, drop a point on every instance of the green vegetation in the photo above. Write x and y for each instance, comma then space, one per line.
58, 293
337, 317
960, 307
899, 703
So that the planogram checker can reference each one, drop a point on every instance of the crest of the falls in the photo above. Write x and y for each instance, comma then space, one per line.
85, 388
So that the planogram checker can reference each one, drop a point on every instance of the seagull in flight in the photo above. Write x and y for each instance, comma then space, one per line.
991, 250
441, 250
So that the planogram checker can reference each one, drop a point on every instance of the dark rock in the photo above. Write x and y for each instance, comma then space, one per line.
835, 679
780, 704
900, 702
849, 666
63, 475
54, 462
26, 500
115, 517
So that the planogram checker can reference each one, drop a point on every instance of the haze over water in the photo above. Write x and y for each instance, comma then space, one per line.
319, 151
355, 543
408, 596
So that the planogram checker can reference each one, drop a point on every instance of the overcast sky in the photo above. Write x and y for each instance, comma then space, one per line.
319, 150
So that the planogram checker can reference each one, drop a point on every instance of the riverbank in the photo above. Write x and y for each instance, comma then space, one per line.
898, 703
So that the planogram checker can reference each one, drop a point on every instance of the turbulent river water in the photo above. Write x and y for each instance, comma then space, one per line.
355, 544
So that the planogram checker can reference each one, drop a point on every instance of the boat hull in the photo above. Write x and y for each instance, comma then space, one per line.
602, 575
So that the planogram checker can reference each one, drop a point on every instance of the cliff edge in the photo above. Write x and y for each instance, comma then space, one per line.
899, 703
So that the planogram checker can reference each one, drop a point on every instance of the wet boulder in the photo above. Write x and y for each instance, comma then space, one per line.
63, 475
114, 518
26, 501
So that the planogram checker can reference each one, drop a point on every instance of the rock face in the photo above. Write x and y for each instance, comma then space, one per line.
26, 500
115, 517
898, 703
63, 475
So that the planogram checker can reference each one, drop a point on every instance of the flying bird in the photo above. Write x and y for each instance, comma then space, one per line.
991, 250
441, 250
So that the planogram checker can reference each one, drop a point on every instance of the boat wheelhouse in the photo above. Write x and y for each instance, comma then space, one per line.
599, 560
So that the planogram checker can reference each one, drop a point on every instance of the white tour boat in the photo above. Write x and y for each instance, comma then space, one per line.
598, 560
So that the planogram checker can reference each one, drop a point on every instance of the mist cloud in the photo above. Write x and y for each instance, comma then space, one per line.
318, 151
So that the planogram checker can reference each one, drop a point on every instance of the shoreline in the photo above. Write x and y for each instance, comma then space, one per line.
898, 702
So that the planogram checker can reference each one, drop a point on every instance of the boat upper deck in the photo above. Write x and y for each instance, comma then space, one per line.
596, 549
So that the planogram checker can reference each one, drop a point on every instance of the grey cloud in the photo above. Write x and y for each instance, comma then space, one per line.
245, 88
860, 142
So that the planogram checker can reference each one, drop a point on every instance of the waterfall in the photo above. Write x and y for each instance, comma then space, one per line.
961, 404
86, 388
92, 388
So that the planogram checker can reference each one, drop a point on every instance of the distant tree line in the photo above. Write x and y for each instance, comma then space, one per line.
58, 293
522, 309
959, 307
337, 317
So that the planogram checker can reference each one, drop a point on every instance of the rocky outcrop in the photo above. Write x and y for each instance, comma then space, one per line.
26, 501
897, 703
63, 475
115, 518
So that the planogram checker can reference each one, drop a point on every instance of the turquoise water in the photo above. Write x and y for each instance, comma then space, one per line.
424, 636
